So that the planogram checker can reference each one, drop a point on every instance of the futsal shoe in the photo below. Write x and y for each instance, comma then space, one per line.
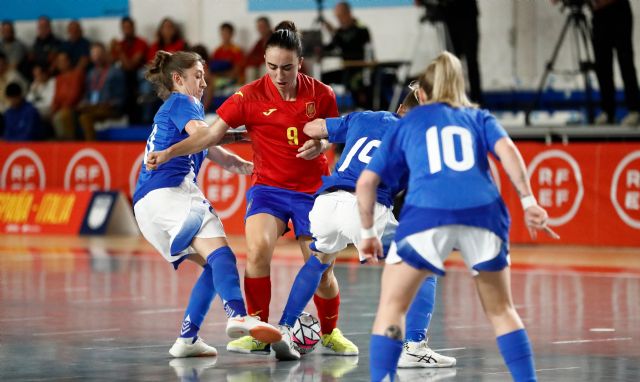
186, 347
249, 345
337, 344
285, 351
418, 354
251, 326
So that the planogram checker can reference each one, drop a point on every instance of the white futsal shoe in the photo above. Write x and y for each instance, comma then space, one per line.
185, 347
285, 350
418, 354
241, 326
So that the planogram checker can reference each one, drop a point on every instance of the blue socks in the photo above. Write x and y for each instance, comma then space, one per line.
421, 310
227, 281
202, 294
384, 353
516, 351
302, 290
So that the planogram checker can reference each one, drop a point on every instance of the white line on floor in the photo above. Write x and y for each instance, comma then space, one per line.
155, 311
588, 341
128, 347
553, 369
76, 332
448, 349
602, 330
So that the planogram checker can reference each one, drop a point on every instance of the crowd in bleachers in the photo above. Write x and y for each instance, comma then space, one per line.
61, 88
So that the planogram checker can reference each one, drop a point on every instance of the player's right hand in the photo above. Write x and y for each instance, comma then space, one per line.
536, 219
155, 159
371, 250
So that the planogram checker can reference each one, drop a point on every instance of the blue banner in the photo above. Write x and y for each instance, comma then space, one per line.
62, 9
288, 5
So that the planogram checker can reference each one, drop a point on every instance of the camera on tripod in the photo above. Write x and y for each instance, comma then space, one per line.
576, 5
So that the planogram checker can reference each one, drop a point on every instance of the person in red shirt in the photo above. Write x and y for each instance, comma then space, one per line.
168, 38
288, 169
226, 63
66, 96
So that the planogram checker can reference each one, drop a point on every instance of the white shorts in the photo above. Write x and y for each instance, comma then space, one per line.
335, 221
481, 249
169, 218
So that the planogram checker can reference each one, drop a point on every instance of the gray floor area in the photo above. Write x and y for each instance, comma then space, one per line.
96, 316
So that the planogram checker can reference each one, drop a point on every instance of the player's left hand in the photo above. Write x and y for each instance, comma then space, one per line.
310, 149
536, 219
371, 250
155, 159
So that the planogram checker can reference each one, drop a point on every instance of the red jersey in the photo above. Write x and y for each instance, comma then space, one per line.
275, 128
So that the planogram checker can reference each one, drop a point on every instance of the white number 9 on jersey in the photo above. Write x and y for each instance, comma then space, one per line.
436, 151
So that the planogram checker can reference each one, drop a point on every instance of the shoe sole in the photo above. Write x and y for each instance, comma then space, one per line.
211, 354
326, 351
264, 334
283, 352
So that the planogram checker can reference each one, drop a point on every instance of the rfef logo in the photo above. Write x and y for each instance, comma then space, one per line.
225, 190
625, 189
556, 180
23, 170
87, 171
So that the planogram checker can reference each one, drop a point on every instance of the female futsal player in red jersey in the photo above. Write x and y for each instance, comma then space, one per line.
288, 166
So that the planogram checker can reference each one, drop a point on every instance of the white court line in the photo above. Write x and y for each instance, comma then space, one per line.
165, 310
107, 299
589, 341
37, 318
76, 332
449, 349
602, 330
128, 347
553, 369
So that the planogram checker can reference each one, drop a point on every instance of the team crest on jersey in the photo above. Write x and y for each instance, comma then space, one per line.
311, 109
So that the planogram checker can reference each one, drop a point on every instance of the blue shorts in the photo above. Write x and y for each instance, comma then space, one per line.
283, 204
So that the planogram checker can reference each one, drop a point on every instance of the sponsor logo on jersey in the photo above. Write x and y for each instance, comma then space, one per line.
239, 93
268, 112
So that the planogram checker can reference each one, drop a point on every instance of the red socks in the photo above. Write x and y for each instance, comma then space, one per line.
257, 292
327, 312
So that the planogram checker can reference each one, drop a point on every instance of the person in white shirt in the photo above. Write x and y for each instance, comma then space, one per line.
41, 91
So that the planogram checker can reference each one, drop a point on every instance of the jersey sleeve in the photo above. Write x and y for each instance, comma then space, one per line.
328, 104
388, 161
232, 111
185, 109
337, 128
493, 131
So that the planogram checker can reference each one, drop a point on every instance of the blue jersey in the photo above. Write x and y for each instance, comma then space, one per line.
362, 133
168, 129
445, 150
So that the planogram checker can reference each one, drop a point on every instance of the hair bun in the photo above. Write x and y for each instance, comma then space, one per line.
287, 25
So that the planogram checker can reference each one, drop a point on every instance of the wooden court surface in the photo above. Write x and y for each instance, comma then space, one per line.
108, 308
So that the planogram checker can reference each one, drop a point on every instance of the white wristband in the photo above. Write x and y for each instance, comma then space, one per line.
528, 201
368, 233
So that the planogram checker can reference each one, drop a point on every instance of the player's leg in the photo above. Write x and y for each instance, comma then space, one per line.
495, 293
400, 283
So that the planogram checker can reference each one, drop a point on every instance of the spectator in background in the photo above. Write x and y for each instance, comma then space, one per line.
255, 59
67, 94
77, 46
352, 42
42, 90
7, 76
21, 119
130, 52
104, 94
612, 30
168, 38
46, 45
461, 19
227, 61
15, 50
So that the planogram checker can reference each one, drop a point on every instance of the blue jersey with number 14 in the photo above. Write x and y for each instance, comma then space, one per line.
361, 132
445, 150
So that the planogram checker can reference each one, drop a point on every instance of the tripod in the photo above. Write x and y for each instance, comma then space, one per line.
577, 20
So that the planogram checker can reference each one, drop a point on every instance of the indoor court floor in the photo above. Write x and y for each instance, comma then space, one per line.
108, 309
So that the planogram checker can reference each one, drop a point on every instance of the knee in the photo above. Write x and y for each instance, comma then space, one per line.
500, 310
258, 256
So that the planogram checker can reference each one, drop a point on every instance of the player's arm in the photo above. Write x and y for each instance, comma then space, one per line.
366, 193
200, 137
229, 161
316, 129
513, 164
312, 148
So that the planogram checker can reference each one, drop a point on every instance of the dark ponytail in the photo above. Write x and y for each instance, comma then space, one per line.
164, 64
286, 36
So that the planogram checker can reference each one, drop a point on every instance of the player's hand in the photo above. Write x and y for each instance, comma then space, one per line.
371, 250
536, 219
155, 159
246, 168
310, 149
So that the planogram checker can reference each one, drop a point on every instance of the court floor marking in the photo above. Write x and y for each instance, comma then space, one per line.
44, 334
589, 341
126, 347
537, 370
107, 299
163, 310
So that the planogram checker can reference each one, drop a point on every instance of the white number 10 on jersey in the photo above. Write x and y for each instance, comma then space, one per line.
444, 149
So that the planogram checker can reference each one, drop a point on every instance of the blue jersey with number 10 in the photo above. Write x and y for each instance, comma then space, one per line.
361, 132
168, 129
445, 150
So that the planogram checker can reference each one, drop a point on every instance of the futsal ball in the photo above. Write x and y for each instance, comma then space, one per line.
306, 333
